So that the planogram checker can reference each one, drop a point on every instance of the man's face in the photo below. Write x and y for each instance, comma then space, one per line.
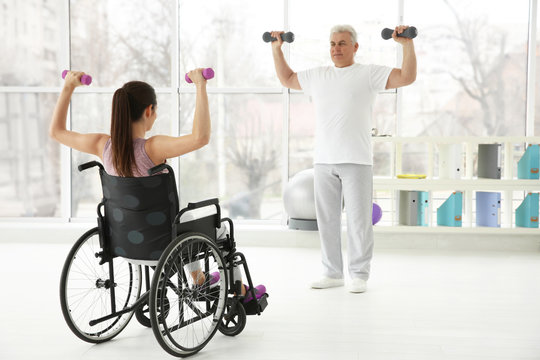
342, 49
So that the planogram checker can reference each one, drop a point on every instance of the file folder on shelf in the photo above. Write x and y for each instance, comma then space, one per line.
489, 162
488, 209
527, 212
413, 208
450, 159
451, 211
408, 207
423, 212
529, 163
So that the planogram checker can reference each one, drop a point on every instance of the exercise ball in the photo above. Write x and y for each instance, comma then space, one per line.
299, 201
376, 214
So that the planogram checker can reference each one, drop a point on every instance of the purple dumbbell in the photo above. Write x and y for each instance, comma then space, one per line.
207, 73
85, 79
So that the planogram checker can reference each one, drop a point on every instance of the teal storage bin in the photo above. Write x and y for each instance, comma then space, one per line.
529, 163
451, 211
423, 212
527, 212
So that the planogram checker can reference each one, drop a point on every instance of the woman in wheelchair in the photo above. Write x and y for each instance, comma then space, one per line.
197, 286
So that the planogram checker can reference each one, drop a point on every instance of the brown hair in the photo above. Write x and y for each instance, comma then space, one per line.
128, 105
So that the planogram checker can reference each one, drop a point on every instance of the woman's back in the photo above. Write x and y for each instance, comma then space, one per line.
142, 162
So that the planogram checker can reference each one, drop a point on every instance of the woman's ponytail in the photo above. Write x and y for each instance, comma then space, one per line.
128, 105
121, 134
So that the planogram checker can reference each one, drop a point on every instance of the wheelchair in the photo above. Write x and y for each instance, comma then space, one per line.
143, 241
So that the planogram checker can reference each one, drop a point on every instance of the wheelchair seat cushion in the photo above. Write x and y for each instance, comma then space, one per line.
139, 212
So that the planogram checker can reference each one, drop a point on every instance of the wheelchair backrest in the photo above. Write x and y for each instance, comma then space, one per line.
139, 213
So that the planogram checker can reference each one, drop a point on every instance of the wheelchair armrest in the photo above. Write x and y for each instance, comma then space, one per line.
201, 204
89, 165
159, 168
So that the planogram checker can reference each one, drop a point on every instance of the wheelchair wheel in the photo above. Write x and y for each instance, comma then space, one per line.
90, 291
193, 311
234, 318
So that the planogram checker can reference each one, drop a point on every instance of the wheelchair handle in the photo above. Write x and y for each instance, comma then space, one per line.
89, 165
159, 168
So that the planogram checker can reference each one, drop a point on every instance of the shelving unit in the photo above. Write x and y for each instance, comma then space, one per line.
468, 183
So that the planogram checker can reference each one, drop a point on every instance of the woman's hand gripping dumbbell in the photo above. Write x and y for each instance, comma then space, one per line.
83, 79
207, 73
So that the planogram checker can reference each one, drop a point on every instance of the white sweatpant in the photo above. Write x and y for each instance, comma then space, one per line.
354, 184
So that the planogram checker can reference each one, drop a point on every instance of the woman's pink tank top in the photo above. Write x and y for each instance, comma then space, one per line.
142, 161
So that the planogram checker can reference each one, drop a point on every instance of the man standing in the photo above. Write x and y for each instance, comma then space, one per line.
343, 96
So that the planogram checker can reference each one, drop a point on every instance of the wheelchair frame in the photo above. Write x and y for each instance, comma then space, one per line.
119, 282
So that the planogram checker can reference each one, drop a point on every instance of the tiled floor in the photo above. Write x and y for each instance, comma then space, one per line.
419, 305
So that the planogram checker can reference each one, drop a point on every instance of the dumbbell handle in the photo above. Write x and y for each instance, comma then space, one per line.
85, 79
287, 37
207, 73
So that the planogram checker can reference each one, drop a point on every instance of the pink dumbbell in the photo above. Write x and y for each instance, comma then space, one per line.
85, 79
207, 73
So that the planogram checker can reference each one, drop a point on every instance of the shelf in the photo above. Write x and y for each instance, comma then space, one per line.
462, 160
456, 184
456, 139
456, 230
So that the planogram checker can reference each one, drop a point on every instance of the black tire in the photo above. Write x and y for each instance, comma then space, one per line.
234, 319
193, 311
143, 311
85, 290
141, 314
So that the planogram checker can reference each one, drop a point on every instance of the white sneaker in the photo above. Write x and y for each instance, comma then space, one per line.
357, 285
326, 282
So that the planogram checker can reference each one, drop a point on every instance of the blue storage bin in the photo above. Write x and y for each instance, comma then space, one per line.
488, 209
451, 211
529, 163
527, 212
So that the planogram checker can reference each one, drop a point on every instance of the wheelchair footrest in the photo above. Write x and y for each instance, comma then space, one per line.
256, 306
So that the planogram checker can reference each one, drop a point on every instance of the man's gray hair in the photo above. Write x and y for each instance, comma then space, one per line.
344, 28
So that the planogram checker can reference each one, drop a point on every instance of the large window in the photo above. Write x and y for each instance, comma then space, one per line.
472, 69
31, 56
472, 81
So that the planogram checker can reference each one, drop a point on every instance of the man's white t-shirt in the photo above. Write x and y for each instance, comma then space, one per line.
343, 99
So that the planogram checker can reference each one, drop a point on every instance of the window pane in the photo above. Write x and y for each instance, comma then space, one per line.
31, 42
29, 159
301, 133
123, 40
472, 67
312, 47
227, 36
91, 113
537, 80
242, 164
